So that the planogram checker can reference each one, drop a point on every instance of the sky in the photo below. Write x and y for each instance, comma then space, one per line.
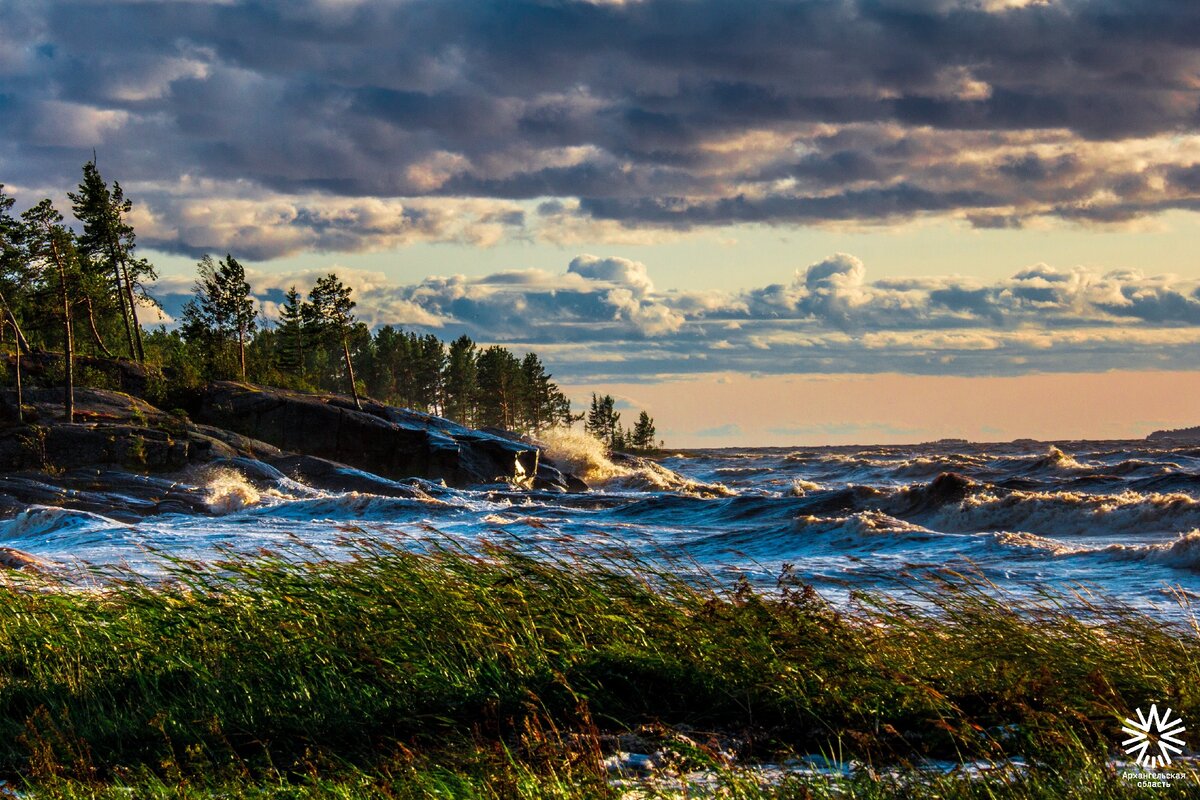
804, 222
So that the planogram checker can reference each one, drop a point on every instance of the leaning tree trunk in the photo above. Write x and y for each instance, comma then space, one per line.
350, 371
20, 392
137, 326
22, 345
96, 332
121, 299
242, 351
10, 321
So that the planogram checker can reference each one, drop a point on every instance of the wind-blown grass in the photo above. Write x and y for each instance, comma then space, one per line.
500, 674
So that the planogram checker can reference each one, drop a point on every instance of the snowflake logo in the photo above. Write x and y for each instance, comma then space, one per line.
1149, 730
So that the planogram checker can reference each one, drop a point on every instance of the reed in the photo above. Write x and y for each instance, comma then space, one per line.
497, 673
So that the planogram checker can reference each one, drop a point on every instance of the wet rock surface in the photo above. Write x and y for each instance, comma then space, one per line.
127, 459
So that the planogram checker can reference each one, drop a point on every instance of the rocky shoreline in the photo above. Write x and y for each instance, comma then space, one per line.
128, 459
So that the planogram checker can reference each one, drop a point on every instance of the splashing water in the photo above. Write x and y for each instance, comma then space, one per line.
586, 456
582, 454
801, 487
227, 491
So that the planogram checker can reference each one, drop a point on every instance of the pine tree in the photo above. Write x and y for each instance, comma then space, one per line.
222, 312
242, 309
106, 248
330, 310
643, 435
619, 439
603, 421
500, 387
430, 365
460, 381
50, 250
291, 333
384, 376
13, 269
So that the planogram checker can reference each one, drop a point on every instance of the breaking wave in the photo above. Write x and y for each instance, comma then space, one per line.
227, 491
588, 458
1066, 513
37, 522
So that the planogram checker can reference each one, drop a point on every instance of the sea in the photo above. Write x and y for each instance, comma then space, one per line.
1115, 520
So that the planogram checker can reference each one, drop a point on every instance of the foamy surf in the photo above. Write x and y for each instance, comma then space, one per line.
1122, 517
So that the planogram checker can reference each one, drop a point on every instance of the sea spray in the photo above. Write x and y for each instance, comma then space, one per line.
228, 491
580, 453
587, 457
801, 487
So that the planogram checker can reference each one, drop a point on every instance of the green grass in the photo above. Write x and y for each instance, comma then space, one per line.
501, 675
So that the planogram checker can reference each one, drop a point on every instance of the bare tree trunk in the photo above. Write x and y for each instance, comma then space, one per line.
5, 322
22, 345
20, 392
350, 371
137, 326
242, 350
68, 337
95, 332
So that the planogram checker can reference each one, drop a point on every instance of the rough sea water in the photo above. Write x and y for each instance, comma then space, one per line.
1119, 518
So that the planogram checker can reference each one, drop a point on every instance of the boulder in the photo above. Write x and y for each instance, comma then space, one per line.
110, 428
390, 442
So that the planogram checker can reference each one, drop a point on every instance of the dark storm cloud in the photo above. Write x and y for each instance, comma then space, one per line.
669, 113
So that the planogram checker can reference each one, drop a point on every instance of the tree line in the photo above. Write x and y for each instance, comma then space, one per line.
318, 344
81, 292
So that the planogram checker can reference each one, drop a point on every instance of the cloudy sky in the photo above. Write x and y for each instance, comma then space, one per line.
771, 222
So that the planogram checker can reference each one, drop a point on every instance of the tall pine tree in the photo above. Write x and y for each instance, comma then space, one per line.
221, 313
291, 333
331, 312
50, 252
460, 381
106, 247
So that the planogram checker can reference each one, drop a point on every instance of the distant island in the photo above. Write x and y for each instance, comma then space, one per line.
1177, 435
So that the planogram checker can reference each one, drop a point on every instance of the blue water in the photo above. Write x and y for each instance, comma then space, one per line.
1120, 518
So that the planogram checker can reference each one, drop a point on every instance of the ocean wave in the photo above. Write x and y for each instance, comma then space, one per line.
1032, 543
865, 528
742, 471
922, 466
37, 522
1065, 513
1056, 460
355, 506
1180, 553
815, 536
